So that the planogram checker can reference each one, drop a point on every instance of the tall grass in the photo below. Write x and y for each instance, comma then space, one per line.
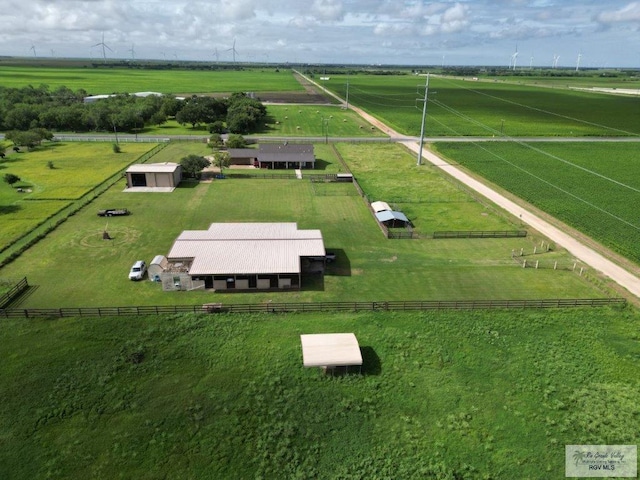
443, 395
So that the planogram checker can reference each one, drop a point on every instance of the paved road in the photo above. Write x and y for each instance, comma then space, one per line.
574, 246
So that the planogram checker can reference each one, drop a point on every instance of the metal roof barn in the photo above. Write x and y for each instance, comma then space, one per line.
232, 250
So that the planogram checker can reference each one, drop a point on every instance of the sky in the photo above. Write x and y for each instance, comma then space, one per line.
597, 34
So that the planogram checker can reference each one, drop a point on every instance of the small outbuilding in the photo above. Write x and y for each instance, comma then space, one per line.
157, 266
158, 177
392, 218
380, 206
331, 350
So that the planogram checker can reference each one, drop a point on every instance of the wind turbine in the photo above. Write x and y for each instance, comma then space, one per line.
33, 48
103, 45
53, 52
233, 50
578, 61
133, 52
215, 53
514, 57
555, 60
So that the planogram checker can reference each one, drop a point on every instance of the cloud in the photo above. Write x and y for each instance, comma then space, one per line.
628, 13
328, 10
451, 20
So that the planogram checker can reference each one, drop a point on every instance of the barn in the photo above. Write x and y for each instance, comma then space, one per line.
161, 177
242, 257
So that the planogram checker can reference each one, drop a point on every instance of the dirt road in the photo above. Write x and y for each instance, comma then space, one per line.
578, 249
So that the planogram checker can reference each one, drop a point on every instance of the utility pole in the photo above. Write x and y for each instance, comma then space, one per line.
347, 96
424, 116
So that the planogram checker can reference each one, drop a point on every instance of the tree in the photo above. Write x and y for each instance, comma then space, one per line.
11, 178
216, 127
236, 141
215, 141
192, 165
221, 159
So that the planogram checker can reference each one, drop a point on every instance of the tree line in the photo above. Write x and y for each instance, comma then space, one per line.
32, 108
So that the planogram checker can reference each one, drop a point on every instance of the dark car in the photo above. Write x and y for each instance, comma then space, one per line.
113, 212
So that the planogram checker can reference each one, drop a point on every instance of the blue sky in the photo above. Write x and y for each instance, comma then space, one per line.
604, 33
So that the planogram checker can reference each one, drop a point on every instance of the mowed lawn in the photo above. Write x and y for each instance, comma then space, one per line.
449, 395
77, 169
74, 266
289, 120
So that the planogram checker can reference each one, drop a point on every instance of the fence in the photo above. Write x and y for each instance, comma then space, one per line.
312, 307
481, 234
16, 290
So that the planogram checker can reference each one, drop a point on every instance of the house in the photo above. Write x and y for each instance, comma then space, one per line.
285, 155
242, 257
275, 155
163, 177
243, 156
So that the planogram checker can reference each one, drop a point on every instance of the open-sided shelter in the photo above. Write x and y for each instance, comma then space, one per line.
330, 350
242, 256
380, 206
392, 218
159, 176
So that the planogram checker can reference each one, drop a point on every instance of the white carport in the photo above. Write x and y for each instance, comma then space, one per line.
331, 350
380, 206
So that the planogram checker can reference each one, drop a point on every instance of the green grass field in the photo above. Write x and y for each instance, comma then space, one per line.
461, 108
78, 168
119, 80
592, 187
75, 258
448, 395
290, 120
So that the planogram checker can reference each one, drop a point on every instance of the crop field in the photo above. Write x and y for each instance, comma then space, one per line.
481, 108
462, 395
96, 270
77, 168
583, 185
119, 80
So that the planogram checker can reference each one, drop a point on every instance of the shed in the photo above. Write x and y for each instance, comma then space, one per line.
330, 350
162, 177
158, 265
380, 206
392, 218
